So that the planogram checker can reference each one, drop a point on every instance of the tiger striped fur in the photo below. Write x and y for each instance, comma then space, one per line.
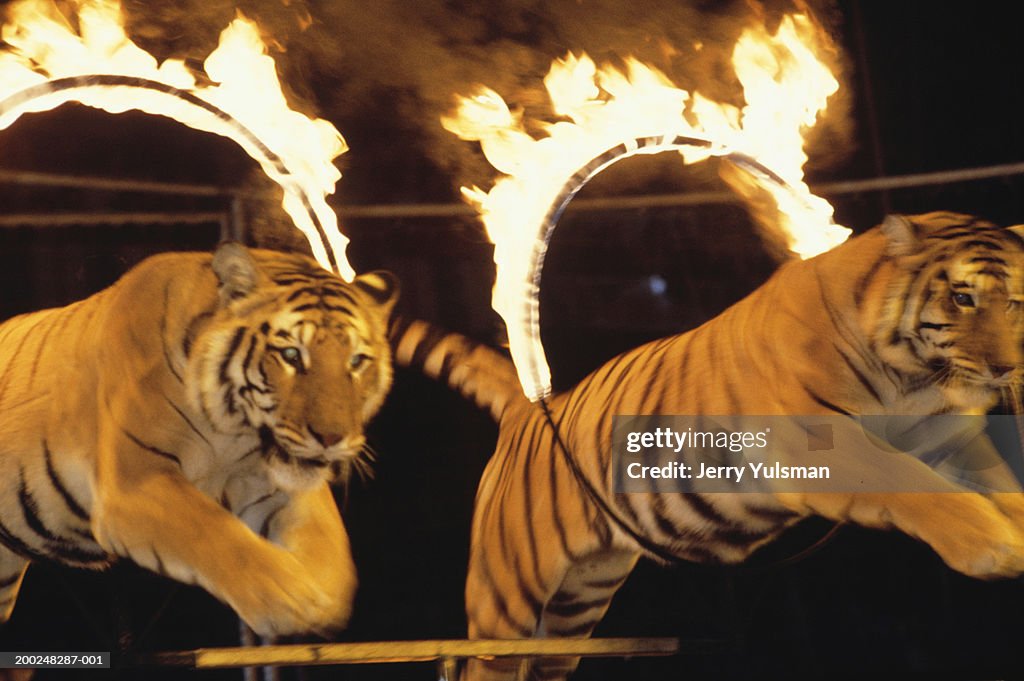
918, 316
190, 418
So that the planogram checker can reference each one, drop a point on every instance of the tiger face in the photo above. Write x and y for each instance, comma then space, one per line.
955, 313
299, 357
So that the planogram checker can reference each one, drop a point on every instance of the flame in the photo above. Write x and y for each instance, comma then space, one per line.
608, 114
244, 101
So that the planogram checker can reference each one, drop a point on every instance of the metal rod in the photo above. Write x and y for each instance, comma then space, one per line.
236, 222
71, 219
24, 177
870, 106
247, 637
448, 669
377, 211
919, 179
874, 184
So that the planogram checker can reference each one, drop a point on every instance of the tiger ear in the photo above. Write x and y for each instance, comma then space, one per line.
902, 235
381, 286
237, 272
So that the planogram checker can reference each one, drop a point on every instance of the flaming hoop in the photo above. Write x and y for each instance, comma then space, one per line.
614, 115
528, 350
16, 104
53, 66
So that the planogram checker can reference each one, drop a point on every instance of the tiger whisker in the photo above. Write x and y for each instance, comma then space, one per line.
368, 453
362, 463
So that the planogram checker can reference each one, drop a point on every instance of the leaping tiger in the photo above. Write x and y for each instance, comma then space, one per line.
190, 418
919, 316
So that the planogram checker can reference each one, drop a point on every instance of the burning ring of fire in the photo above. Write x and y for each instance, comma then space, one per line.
606, 114
15, 104
89, 59
528, 351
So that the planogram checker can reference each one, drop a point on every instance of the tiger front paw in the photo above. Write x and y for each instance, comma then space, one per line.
1012, 506
975, 537
276, 604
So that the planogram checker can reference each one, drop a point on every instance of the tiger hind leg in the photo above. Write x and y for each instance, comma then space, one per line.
579, 604
12, 571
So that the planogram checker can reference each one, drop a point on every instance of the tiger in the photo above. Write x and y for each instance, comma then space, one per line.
190, 418
920, 315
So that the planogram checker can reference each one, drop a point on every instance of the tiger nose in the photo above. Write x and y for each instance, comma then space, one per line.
326, 439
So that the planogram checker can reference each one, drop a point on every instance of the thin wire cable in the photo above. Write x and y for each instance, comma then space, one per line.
648, 545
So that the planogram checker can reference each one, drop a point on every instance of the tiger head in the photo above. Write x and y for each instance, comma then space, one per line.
299, 356
954, 314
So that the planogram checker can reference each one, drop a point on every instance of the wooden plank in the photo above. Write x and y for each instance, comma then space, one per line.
420, 651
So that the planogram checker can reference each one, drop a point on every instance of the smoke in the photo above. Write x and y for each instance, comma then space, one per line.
386, 71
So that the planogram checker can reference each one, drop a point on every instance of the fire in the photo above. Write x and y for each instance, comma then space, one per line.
608, 114
48, 63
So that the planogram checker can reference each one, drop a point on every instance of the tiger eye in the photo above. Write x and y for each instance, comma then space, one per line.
292, 356
963, 299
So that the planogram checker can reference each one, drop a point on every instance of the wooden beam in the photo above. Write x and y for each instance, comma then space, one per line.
423, 651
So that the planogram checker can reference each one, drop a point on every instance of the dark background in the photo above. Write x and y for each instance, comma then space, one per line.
930, 88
